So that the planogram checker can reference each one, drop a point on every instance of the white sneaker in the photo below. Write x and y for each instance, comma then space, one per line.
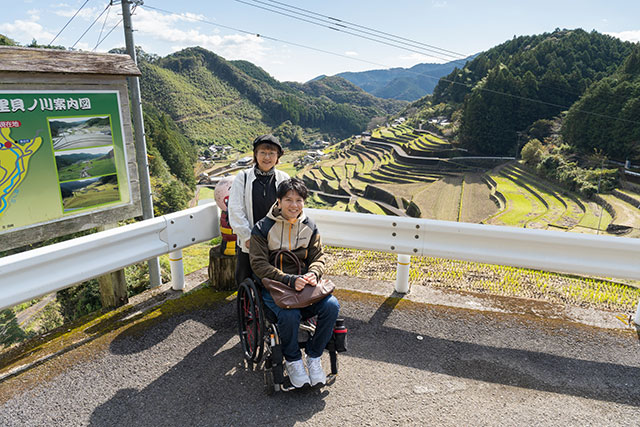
316, 373
297, 374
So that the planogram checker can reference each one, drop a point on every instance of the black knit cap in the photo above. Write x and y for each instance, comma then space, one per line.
268, 139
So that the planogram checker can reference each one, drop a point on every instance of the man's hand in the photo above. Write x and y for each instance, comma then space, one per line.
247, 243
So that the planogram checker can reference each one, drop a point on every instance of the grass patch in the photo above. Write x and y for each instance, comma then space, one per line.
193, 258
368, 206
521, 204
488, 278
206, 193
288, 168
591, 218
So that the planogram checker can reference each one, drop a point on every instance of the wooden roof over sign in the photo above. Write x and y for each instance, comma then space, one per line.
25, 59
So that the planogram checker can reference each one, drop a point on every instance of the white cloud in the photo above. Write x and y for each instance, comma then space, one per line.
628, 36
180, 32
351, 53
87, 13
438, 3
25, 31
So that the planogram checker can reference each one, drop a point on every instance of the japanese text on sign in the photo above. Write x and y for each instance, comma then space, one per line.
45, 104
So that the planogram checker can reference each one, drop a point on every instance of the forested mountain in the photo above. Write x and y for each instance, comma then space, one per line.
505, 89
229, 102
406, 84
607, 117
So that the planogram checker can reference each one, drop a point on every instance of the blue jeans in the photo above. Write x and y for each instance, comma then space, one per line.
289, 322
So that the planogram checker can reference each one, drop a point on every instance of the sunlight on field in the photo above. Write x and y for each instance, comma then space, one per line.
487, 278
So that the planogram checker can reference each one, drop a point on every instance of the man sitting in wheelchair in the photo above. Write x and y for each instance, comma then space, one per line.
287, 227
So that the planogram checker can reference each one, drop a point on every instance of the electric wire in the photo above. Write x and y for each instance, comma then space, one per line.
68, 22
459, 57
133, 10
469, 86
410, 49
371, 31
106, 18
108, 34
92, 24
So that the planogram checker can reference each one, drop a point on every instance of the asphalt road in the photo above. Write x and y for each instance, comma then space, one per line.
408, 363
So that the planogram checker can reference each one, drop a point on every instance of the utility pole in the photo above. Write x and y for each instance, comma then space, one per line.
140, 141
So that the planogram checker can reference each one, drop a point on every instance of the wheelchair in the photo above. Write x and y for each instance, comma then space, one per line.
260, 342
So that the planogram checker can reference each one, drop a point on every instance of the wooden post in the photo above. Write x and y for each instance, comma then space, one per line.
113, 286
113, 289
222, 270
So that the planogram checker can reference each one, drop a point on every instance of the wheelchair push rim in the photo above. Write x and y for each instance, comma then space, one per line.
250, 321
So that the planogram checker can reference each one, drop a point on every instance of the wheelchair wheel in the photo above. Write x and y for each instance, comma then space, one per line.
250, 321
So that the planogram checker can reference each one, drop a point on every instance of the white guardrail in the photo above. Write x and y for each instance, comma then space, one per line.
35, 273
38, 272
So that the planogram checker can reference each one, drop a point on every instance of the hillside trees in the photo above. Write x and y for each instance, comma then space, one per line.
507, 88
607, 116
219, 101
171, 163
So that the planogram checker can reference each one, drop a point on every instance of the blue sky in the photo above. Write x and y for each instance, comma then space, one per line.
464, 27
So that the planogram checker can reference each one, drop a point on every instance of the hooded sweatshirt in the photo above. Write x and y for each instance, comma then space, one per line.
274, 233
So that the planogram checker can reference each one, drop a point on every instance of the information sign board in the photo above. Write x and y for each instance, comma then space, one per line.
62, 154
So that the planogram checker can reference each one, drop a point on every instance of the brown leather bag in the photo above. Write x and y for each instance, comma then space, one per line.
286, 297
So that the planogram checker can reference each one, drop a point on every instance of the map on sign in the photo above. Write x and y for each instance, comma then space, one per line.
62, 155
14, 163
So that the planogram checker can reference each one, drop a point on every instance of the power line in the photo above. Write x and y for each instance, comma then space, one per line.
108, 34
342, 22
92, 24
333, 26
469, 86
145, 6
103, 25
114, 27
332, 21
68, 22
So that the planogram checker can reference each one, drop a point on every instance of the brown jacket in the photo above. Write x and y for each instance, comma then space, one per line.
273, 233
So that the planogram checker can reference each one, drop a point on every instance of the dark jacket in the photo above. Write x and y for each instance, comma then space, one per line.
273, 233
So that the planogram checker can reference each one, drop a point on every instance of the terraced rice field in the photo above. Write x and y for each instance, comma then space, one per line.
446, 190
522, 205
533, 203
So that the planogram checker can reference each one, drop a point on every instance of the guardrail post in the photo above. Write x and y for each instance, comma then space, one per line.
177, 270
637, 319
402, 274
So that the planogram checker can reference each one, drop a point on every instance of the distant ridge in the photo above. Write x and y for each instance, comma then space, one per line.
406, 84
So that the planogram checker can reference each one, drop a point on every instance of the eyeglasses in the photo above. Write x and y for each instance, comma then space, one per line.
267, 153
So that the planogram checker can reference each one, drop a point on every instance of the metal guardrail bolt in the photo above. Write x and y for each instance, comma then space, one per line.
417, 225
190, 216
173, 222
193, 239
175, 245
415, 250
393, 234
393, 248
394, 224
416, 236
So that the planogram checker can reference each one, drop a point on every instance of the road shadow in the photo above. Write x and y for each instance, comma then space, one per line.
543, 371
211, 386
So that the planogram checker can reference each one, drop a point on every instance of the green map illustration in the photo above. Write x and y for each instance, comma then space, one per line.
14, 164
